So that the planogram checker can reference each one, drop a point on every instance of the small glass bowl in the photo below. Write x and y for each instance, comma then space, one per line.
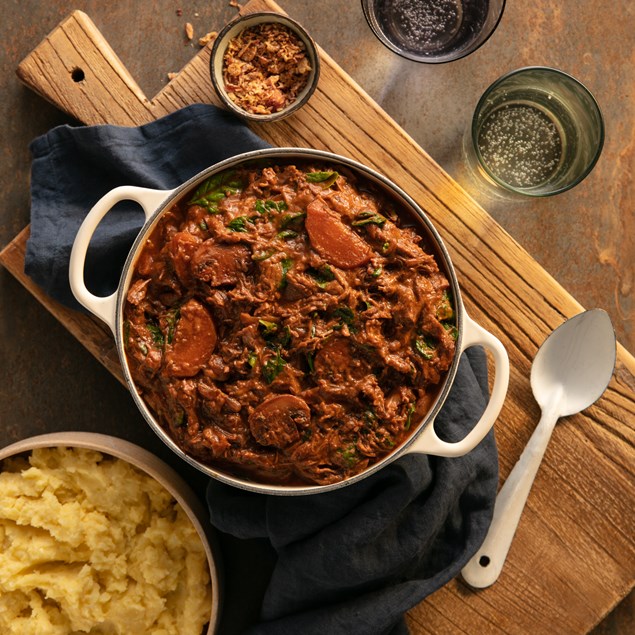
433, 32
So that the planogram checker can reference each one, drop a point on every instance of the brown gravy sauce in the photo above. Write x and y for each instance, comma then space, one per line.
283, 324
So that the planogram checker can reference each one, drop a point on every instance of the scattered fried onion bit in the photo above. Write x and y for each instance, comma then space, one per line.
207, 38
264, 68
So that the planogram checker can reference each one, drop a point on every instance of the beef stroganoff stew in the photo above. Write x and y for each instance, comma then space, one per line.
286, 323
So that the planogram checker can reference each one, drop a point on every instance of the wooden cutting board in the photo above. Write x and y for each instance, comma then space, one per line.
573, 558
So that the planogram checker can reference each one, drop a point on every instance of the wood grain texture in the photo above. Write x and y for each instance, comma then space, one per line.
573, 557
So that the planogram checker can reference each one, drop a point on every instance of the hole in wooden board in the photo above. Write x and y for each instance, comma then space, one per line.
77, 75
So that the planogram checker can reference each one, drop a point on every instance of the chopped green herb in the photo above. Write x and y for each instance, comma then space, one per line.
377, 272
411, 410
424, 347
346, 315
252, 359
322, 276
445, 310
310, 360
368, 218
267, 328
385, 247
214, 190
203, 225
286, 265
284, 338
289, 219
325, 178
450, 327
349, 454
157, 334
259, 256
172, 319
143, 348
276, 206
369, 417
287, 234
266, 207
238, 224
273, 367
179, 420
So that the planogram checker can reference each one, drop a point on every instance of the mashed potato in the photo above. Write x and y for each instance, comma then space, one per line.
90, 544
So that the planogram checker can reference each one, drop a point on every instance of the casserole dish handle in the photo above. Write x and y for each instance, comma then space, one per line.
428, 442
105, 307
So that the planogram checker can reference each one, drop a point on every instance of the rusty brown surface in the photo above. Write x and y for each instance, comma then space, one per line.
585, 238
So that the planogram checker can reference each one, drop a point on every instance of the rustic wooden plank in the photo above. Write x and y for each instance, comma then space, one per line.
573, 558
75, 69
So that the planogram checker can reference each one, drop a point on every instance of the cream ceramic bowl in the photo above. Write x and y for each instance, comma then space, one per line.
250, 20
159, 471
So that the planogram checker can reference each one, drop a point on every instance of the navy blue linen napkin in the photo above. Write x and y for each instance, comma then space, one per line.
351, 561
74, 166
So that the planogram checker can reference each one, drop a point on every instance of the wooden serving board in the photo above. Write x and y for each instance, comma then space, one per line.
573, 558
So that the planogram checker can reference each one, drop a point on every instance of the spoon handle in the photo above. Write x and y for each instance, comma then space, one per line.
485, 566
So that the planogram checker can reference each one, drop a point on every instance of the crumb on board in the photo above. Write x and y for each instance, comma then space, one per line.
189, 30
234, 3
207, 38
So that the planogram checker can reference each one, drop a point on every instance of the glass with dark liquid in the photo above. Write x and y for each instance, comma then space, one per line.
535, 132
433, 31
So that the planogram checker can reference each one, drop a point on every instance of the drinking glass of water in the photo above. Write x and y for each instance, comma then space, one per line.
433, 31
535, 132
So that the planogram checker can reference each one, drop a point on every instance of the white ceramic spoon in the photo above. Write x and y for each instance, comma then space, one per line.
570, 372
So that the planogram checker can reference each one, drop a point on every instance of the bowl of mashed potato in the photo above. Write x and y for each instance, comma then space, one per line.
100, 536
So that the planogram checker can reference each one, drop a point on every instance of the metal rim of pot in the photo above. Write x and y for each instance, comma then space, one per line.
423, 439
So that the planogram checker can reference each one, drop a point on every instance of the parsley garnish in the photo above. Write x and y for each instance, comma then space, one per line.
368, 218
214, 190
266, 207
445, 310
411, 409
157, 334
238, 224
346, 316
267, 328
424, 347
286, 265
172, 319
349, 454
325, 178
322, 276
272, 368
287, 234
289, 219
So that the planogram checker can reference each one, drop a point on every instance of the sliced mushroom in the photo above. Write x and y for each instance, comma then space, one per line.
219, 264
276, 420
194, 341
334, 240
